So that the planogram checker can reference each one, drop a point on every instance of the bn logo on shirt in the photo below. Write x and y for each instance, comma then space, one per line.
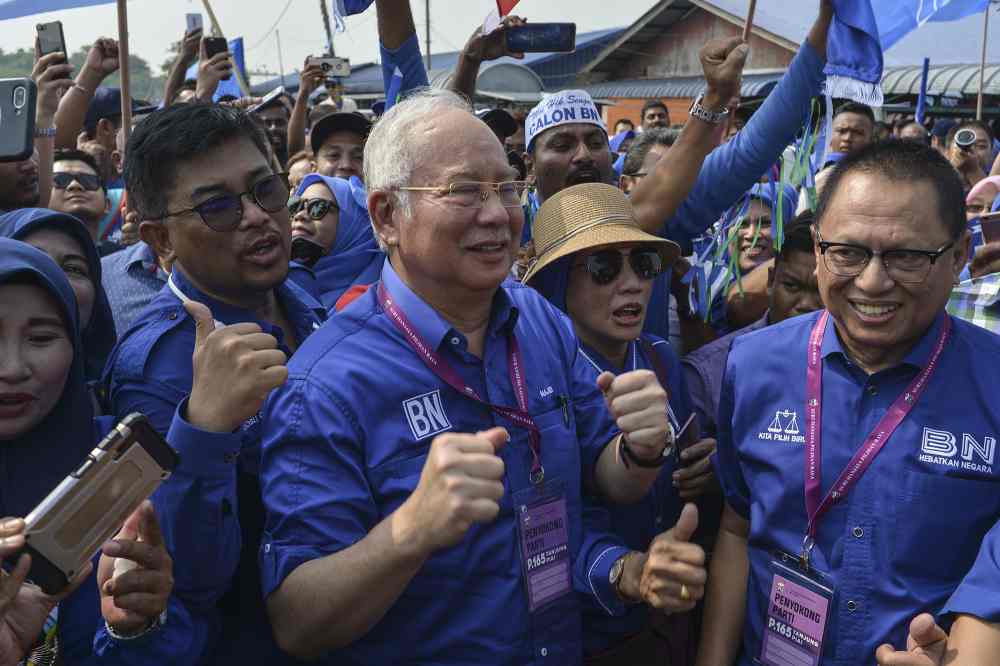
425, 414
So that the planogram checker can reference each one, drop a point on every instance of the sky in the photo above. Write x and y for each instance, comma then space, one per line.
154, 24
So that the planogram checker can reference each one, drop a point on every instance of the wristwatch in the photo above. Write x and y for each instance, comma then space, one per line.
711, 117
617, 574
45, 132
630, 458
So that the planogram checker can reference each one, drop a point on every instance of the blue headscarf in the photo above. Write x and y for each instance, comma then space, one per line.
99, 336
354, 257
34, 463
553, 281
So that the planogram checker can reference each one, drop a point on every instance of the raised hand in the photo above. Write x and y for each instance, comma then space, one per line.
638, 403
722, 60
461, 484
102, 58
133, 600
673, 573
696, 477
235, 368
190, 46
310, 78
52, 76
482, 47
925, 646
211, 71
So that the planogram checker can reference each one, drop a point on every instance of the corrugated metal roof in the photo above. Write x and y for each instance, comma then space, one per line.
754, 85
947, 80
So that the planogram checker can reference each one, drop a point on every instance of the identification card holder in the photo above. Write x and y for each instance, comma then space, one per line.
798, 610
543, 533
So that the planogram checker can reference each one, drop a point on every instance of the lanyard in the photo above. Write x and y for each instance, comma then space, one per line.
873, 443
448, 375
182, 297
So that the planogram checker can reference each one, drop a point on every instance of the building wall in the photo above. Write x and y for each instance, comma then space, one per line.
630, 108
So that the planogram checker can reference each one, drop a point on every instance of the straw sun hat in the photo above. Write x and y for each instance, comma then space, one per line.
586, 216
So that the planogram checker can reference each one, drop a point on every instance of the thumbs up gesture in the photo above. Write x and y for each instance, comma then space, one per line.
461, 484
235, 368
638, 404
673, 575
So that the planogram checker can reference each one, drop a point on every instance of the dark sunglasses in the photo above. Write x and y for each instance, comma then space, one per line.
88, 181
225, 211
605, 266
316, 209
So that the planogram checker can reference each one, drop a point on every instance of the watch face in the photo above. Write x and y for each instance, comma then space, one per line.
616, 571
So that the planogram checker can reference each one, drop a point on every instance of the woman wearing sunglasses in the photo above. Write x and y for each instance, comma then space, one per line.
66, 240
596, 265
332, 236
47, 427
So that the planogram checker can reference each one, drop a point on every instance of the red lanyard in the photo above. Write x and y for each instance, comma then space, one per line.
876, 439
448, 375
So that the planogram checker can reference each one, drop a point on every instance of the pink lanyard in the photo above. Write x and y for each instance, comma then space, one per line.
448, 375
876, 439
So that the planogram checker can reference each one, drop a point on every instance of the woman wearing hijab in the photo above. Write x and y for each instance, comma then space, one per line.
67, 241
595, 264
47, 427
332, 237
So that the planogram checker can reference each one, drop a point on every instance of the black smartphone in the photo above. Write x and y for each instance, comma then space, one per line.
990, 224
17, 119
69, 526
542, 38
215, 46
51, 39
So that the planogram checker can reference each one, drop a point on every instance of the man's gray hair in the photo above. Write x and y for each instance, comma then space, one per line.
394, 147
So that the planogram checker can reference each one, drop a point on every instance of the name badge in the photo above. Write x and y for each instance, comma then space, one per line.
543, 532
797, 612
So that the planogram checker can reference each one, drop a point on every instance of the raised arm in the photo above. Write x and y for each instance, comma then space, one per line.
658, 196
399, 46
310, 78
51, 76
478, 49
186, 56
102, 62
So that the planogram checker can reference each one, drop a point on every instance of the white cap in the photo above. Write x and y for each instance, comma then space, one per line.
562, 108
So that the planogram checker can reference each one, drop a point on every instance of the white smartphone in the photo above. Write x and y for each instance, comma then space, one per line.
194, 22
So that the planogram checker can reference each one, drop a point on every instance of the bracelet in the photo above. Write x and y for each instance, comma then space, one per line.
154, 624
77, 86
628, 457
45, 132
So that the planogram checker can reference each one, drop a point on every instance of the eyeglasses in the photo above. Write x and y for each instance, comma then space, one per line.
903, 266
225, 211
316, 209
605, 266
473, 194
87, 181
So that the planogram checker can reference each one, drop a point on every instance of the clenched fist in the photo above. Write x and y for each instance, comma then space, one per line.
638, 404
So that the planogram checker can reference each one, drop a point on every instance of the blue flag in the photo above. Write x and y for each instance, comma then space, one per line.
922, 99
230, 88
395, 87
16, 8
342, 8
898, 18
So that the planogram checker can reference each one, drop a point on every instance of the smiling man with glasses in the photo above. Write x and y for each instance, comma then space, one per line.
77, 189
853, 440
200, 178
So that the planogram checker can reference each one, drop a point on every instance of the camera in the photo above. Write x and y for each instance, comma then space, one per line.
333, 68
965, 138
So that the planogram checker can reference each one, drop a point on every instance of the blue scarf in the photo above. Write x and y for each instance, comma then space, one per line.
99, 336
34, 463
354, 257
854, 53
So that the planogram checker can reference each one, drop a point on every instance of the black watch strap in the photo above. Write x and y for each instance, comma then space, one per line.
630, 458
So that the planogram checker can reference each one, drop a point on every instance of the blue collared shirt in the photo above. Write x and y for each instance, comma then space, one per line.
937, 476
205, 524
637, 524
345, 441
979, 593
131, 278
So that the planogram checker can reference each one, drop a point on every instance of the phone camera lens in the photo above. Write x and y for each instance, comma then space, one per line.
20, 97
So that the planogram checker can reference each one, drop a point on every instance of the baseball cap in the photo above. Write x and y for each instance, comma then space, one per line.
336, 122
562, 108
107, 103
498, 120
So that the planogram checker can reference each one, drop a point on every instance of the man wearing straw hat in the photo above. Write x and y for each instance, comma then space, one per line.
424, 467
595, 264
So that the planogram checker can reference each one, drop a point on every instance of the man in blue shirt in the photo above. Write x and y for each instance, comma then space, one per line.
885, 401
200, 178
131, 279
391, 536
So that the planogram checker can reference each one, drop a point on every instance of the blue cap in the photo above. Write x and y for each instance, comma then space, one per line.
106, 103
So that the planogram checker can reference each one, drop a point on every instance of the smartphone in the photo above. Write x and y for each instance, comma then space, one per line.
990, 225
17, 119
270, 97
50, 38
215, 46
194, 22
333, 68
542, 38
69, 526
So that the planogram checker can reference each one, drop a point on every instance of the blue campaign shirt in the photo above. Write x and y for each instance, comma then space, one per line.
131, 278
345, 441
979, 593
637, 524
210, 514
936, 477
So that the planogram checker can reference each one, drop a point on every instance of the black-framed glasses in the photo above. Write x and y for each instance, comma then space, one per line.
605, 266
473, 194
88, 181
902, 265
224, 212
316, 209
